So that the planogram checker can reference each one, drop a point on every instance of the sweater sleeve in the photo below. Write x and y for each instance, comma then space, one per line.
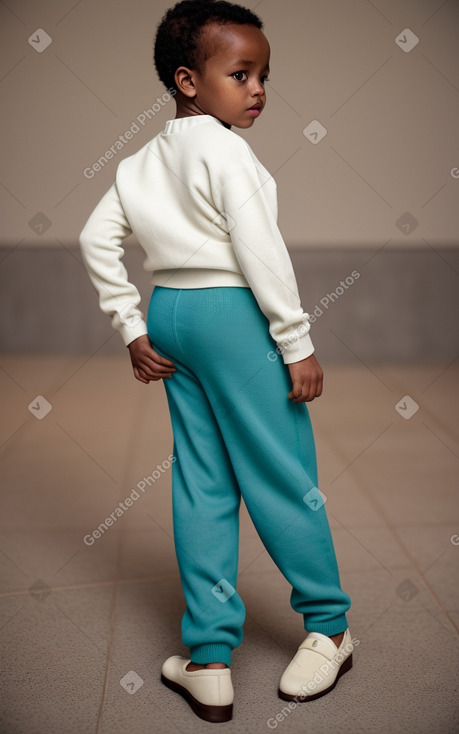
100, 243
264, 260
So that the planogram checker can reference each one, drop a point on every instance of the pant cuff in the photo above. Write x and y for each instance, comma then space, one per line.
211, 653
333, 627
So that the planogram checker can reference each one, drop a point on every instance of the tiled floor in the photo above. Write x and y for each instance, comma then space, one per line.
76, 618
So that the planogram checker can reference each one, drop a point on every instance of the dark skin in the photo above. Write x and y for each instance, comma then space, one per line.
226, 89
149, 366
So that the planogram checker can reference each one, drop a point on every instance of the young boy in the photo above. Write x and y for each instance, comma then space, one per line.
224, 308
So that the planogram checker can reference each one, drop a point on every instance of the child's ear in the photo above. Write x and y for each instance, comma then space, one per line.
184, 81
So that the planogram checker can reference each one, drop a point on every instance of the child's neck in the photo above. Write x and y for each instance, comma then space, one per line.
187, 108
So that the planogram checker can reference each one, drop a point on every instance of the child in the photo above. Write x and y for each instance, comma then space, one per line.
226, 331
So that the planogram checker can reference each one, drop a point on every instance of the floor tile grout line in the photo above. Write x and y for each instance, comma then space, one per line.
428, 412
410, 558
361, 484
112, 626
107, 666
134, 434
155, 579
426, 582
358, 481
93, 585
384, 519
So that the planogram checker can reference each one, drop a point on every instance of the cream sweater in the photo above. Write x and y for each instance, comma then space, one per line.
204, 210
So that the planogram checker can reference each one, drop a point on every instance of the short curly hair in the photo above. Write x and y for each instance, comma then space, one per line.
177, 41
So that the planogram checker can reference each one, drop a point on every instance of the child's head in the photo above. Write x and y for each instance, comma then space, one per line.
215, 56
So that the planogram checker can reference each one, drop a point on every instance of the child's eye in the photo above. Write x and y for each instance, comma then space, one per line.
264, 79
239, 74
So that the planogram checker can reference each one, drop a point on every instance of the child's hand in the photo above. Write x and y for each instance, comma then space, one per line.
307, 380
148, 364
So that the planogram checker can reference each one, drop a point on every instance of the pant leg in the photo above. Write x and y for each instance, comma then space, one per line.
269, 442
205, 502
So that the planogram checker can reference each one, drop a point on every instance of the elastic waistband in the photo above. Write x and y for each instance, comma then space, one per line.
198, 278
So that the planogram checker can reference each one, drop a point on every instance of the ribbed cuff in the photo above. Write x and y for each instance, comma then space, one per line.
297, 350
128, 333
334, 627
211, 653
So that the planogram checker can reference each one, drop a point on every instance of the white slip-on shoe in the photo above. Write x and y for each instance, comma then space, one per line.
208, 691
316, 667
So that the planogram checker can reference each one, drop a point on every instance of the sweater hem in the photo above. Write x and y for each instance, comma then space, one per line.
198, 278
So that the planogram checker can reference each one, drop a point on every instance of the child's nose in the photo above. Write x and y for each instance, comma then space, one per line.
258, 89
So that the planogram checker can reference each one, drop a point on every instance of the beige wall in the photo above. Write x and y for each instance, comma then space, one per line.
392, 118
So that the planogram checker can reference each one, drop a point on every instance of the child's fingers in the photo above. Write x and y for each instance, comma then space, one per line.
304, 392
156, 373
153, 362
147, 363
151, 369
307, 380
162, 360
147, 375
157, 359
138, 376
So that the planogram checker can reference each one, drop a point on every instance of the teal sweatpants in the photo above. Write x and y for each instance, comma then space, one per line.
236, 433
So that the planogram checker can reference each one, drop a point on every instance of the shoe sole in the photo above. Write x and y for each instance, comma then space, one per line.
347, 665
213, 714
